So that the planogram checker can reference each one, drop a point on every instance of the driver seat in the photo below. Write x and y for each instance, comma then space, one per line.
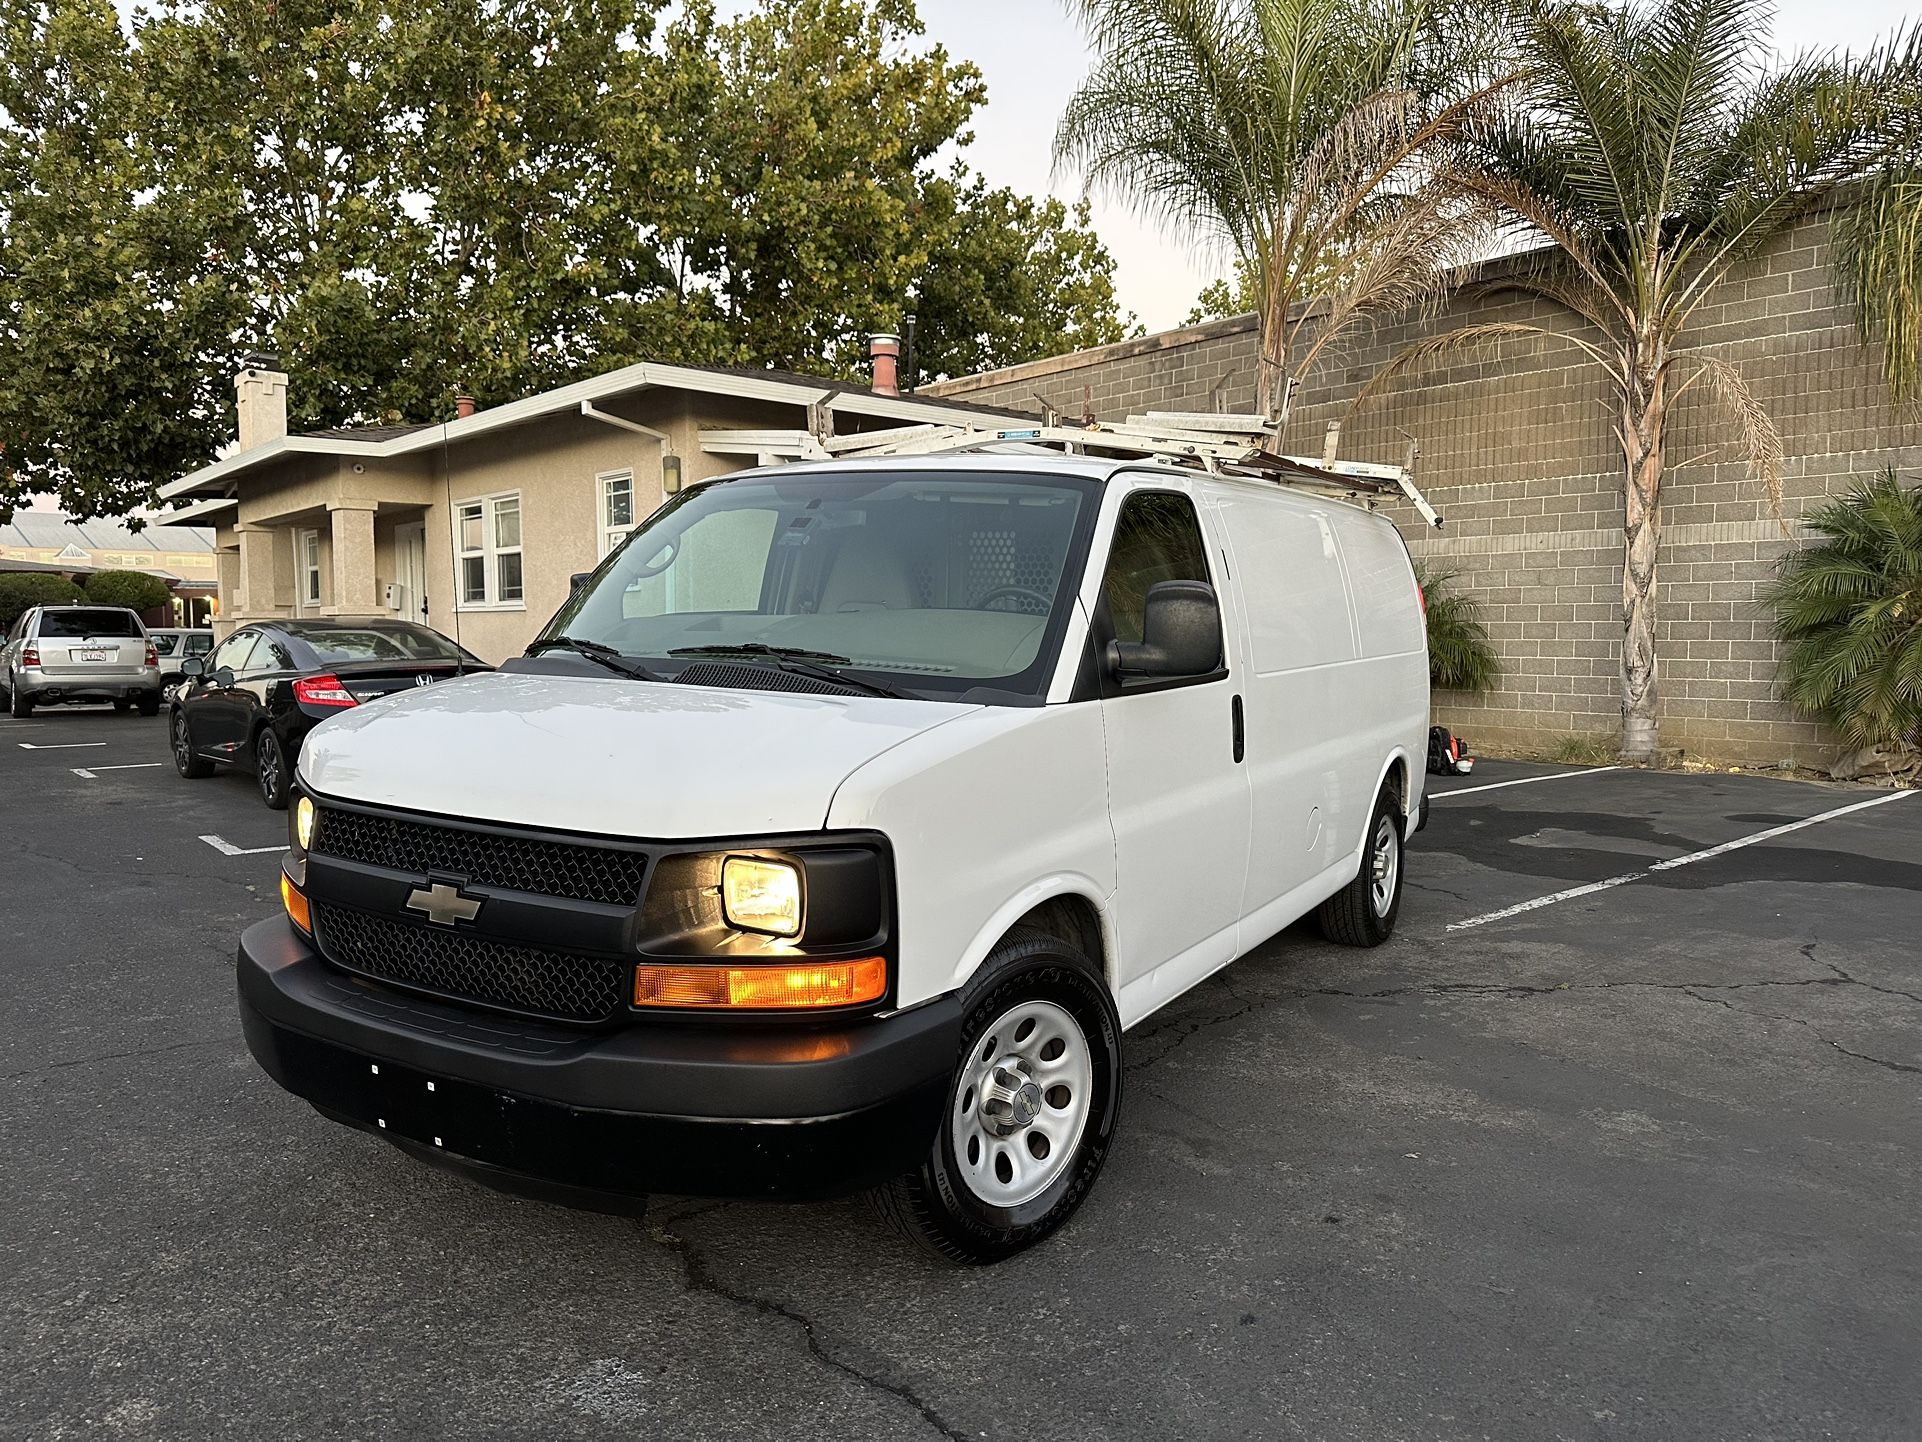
868, 574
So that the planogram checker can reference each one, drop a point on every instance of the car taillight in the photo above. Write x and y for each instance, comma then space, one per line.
323, 691
30, 656
1422, 596
153, 656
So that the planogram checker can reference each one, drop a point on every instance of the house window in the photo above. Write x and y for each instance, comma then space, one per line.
487, 544
617, 508
307, 547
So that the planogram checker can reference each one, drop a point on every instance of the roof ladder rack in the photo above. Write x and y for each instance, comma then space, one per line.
1228, 445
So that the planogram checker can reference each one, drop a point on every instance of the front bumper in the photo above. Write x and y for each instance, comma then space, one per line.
600, 1119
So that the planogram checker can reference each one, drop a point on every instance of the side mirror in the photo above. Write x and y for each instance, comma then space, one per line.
193, 668
576, 581
1180, 634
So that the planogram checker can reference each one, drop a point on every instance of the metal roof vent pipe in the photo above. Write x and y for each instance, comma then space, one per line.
884, 354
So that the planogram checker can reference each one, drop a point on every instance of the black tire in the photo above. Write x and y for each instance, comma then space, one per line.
19, 705
936, 1205
180, 741
149, 704
1359, 914
123, 705
271, 770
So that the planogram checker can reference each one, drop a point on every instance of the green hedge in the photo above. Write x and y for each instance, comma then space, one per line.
135, 590
21, 590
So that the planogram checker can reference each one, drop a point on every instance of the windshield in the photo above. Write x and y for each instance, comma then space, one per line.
88, 623
339, 645
934, 583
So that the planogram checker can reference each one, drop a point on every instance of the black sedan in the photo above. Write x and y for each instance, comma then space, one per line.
253, 701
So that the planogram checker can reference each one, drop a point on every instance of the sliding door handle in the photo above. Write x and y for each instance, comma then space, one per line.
1240, 730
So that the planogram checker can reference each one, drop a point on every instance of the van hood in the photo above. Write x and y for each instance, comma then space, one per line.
614, 757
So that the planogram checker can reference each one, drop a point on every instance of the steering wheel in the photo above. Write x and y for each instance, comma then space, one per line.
1020, 593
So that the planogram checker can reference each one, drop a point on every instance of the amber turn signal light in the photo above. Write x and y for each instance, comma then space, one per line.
763, 988
295, 901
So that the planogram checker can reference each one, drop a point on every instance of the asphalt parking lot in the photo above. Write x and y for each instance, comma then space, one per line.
1641, 1160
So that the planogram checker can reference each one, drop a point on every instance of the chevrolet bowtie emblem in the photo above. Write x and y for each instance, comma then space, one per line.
443, 905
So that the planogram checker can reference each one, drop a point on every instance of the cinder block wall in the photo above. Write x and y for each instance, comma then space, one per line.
1519, 454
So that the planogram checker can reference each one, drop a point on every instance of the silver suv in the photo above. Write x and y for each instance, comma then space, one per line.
79, 653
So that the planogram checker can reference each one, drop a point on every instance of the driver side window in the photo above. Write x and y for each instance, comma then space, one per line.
233, 652
1157, 538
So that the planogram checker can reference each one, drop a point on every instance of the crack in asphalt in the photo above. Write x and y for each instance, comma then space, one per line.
110, 1056
1816, 1032
1179, 1032
698, 1277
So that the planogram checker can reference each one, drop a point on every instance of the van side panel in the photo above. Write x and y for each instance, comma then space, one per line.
1301, 698
1393, 670
990, 815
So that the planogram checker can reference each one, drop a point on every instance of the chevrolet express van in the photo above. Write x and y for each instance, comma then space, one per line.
834, 833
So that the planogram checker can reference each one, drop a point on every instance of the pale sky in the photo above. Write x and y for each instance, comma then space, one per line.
1032, 58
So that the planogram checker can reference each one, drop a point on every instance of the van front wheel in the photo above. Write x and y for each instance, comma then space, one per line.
1363, 912
1031, 1108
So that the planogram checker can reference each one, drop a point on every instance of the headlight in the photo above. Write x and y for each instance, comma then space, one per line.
304, 823
760, 895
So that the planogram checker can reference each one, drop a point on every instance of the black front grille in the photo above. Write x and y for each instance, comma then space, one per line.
576, 870
473, 968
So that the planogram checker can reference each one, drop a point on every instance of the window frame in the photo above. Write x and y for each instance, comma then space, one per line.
490, 551
611, 535
1101, 629
309, 596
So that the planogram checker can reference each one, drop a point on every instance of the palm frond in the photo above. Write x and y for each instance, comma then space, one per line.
1849, 611
1460, 656
1760, 437
1467, 338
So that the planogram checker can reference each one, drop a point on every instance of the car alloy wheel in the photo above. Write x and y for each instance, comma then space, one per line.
270, 769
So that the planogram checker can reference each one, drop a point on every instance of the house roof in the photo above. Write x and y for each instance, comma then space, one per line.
51, 530
781, 387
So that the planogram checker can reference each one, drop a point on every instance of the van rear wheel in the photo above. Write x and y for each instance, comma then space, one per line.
1031, 1108
1363, 912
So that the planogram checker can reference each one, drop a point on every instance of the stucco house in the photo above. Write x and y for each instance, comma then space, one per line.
476, 525
56, 544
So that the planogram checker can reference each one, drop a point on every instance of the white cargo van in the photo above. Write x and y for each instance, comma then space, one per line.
835, 832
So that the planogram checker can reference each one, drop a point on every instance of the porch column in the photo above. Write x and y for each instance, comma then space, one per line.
352, 524
227, 589
261, 591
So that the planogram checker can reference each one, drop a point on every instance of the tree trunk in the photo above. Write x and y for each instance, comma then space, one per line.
1274, 389
1644, 419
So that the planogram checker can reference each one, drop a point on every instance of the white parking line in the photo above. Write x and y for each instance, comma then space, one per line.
1753, 838
59, 745
1524, 781
124, 766
227, 848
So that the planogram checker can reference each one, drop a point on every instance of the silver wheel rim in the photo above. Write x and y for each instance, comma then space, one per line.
269, 764
1021, 1103
183, 745
1386, 865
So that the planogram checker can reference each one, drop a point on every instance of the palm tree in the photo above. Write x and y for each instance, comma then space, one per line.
1310, 137
1656, 149
1850, 610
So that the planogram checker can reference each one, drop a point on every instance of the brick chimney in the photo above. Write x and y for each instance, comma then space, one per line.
260, 397
464, 405
884, 353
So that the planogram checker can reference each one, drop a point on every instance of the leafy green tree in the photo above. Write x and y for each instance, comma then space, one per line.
1849, 609
1657, 150
1460, 656
403, 200
106, 331
22, 590
1308, 138
136, 590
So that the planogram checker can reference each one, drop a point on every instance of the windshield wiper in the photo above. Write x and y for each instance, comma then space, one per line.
821, 665
594, 651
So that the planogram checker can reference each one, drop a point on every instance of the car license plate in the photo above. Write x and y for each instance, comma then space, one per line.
93, 655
